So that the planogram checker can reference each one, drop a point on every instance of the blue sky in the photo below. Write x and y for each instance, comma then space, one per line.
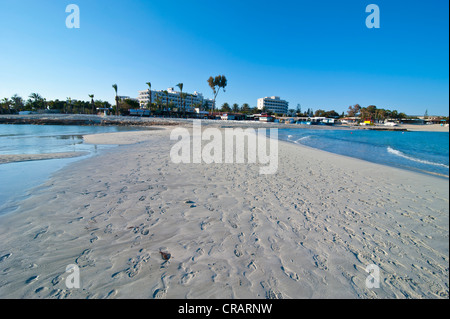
319, 54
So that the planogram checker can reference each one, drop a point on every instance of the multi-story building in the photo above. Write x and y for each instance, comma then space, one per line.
172, 99
273, 104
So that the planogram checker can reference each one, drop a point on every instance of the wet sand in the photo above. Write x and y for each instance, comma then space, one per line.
36, 157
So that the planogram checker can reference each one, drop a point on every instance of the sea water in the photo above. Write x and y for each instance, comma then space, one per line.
16, 179
426, 152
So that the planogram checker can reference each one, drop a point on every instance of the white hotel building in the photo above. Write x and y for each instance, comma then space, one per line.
273, 104
172, 98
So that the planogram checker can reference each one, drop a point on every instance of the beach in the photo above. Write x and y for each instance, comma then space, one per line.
426, 128
308, 231
37, 157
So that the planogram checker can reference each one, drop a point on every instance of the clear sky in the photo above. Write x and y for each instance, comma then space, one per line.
319, 54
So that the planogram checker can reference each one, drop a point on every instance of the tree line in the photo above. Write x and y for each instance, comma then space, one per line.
37, 102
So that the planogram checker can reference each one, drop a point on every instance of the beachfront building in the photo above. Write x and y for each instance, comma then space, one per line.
273, 104
122, 98
172, 98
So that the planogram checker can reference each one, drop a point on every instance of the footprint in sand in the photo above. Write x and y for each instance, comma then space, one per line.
136, 241
142, 229
108, 229
56, 280
291, 274
4, 257
282, 225
220, 271
93, 239
135, 266
252, 267
84, 260
271, 293
204, 225
237, 251
254, 221
149, 211
111, 294
320, 262
31, 279
273, 244
134, 269
161, 293
60, 294
187, 276
123, 189
41, 232
232, 224
199, 252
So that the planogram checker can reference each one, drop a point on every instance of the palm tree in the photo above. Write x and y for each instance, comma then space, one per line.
180, 85
35, 96
17, 102
184, 98
158, 101
225, 107
149, 91
167, 99
69, 103
92, 102
117, 99
6, 103
36, 99
245, 108
216, 84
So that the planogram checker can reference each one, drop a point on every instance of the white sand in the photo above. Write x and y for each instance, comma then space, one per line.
426, 128
307, 232
121, 138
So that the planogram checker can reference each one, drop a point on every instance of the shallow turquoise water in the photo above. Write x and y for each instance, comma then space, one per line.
426, 152
16, 179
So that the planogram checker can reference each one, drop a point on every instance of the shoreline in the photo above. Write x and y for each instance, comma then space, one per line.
382, 165
128, 138
307, 232
82, 119
15, 158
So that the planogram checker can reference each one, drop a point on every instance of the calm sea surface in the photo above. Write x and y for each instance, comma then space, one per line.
17, 178
426, 152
